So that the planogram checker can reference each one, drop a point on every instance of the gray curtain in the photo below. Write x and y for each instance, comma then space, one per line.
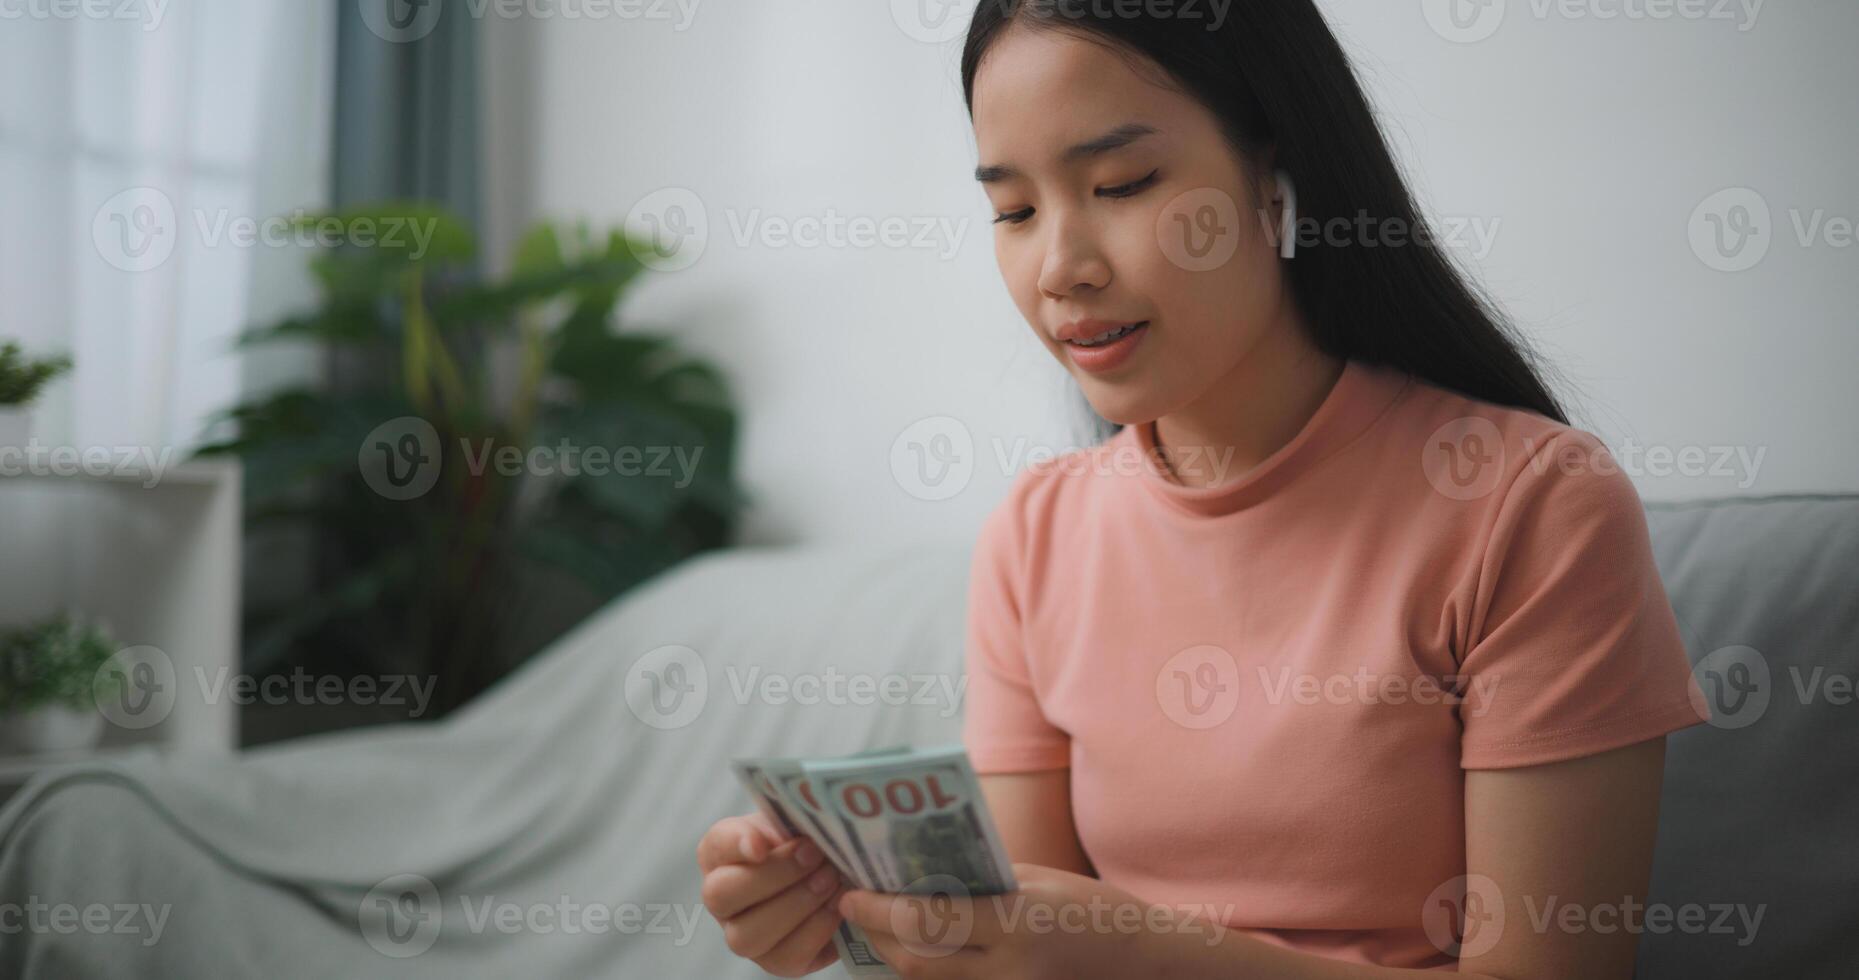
406, 117
407, 111
405, 129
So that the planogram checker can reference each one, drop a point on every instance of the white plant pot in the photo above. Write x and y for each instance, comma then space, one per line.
15, 427
53, 729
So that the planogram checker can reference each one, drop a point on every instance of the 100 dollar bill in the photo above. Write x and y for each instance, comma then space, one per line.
917, 819
890, 820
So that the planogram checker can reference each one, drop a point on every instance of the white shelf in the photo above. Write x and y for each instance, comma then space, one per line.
40, 467
155, 555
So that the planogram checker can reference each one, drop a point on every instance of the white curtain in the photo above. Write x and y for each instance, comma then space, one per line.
134, 149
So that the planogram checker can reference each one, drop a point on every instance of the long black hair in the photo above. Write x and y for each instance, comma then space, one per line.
1274, 75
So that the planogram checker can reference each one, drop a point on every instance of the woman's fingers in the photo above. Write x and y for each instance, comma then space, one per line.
734, 840
732, 888
809, 946
769, 831
827, 957
756, 931
774, 897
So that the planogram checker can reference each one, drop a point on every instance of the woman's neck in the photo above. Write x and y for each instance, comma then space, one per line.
1251, 412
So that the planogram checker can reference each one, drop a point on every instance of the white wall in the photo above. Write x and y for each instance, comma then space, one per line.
1587, 144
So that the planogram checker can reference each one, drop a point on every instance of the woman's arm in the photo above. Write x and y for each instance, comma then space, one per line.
1575, 834
1033, 812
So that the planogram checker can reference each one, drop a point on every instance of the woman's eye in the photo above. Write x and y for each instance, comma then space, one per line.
1130, 189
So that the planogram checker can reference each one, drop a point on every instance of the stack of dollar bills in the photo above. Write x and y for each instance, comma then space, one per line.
903, 821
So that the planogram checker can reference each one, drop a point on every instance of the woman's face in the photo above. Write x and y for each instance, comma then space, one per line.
1118, 202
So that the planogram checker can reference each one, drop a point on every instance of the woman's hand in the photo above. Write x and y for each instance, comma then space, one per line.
1057, 925
773, 897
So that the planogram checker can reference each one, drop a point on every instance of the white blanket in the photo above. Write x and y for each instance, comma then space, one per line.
547, 830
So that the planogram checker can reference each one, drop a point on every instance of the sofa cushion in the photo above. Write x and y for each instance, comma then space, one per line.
1761, 805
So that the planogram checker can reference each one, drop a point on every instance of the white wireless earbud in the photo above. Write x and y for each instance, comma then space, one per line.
1287, 225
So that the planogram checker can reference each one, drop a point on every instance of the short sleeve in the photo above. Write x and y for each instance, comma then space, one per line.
1573, 648
1003, 727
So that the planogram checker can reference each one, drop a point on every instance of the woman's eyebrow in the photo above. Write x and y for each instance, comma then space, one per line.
1117, 138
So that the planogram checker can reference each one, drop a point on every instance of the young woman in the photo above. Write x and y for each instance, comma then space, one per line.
1368, 663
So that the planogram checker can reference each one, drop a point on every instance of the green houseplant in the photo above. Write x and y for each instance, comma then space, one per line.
479, 375
21, 380
48, 685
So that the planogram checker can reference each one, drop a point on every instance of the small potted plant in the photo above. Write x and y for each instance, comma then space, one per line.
21, 380
48, 680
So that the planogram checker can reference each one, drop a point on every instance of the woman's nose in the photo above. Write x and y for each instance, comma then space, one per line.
1074, 260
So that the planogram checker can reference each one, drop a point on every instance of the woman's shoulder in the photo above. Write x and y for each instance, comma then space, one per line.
1508, 459
1051, 486
1444, 414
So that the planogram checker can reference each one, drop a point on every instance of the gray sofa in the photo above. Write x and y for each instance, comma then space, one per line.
1761, 807
554, 791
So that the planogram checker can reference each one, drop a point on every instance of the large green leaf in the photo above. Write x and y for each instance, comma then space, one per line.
356, 591
489, 302
301, 435
337, 325
430, 580
409, 232
537, 252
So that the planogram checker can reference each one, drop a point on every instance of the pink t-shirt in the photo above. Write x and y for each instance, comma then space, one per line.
1267, 691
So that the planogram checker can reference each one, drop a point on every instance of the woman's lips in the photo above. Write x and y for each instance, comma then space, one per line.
1108, 356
